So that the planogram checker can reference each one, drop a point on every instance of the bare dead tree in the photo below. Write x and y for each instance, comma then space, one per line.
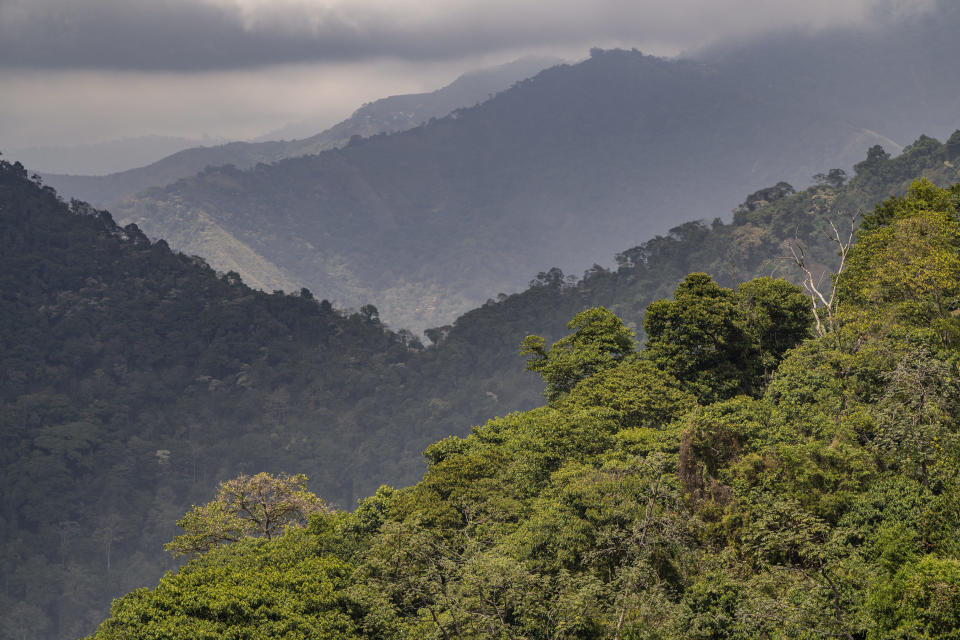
823, 306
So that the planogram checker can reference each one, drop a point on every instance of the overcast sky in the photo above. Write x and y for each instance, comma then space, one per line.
74, 71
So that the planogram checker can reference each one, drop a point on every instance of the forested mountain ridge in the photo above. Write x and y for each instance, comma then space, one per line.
741, 476
133, 378
426, 223
386, 115
756, 242
94, 352
150, 377
757, 111
406, 111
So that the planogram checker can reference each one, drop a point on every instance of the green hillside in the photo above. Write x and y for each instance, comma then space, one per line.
755, 243
741, 476
134, 379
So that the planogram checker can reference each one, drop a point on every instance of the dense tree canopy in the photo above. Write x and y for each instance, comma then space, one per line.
262, 505
723, 342
134, 380
653, 498
599, 340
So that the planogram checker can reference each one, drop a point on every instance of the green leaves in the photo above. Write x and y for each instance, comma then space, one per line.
640, 394
907, 261
922, 601
721, 343
599, 340
737, 479
262, 505
279, 589
916, 417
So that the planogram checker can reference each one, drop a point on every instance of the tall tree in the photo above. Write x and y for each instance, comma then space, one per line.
247, 506
599, 340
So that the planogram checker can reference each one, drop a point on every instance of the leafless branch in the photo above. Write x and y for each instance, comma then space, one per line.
823, 307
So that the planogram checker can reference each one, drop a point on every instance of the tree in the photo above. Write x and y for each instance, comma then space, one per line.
279, 589
370, 313
764, 197
835, 178
636, 392
436, 335
915, 417
599, 340
778, 316
247, 506
701, 338
823, 303
953, 146
911, 264
721, 342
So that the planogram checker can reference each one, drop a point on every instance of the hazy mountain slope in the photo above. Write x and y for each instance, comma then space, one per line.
398, 113
133, 378
387, 115
581, 158
101, 190
563, 167
101, 158
755, 243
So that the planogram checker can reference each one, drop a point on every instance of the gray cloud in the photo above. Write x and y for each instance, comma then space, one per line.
201, 35
86, 106
80, 71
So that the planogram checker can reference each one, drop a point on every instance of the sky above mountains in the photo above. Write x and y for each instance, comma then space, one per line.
77, 71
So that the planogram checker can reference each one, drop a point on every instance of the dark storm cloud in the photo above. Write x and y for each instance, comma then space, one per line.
194, 35
180, 35
162, 35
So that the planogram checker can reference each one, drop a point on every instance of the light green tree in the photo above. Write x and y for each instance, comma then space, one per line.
262, 505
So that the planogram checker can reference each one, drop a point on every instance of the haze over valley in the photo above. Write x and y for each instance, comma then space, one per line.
638, 141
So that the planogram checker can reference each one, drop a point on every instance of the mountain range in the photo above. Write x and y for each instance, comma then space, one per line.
387, 115
134, 378
429, 222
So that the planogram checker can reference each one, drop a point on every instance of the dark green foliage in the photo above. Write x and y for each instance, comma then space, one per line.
777, 315
641, 394
701, 338
721, 342
133, 379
